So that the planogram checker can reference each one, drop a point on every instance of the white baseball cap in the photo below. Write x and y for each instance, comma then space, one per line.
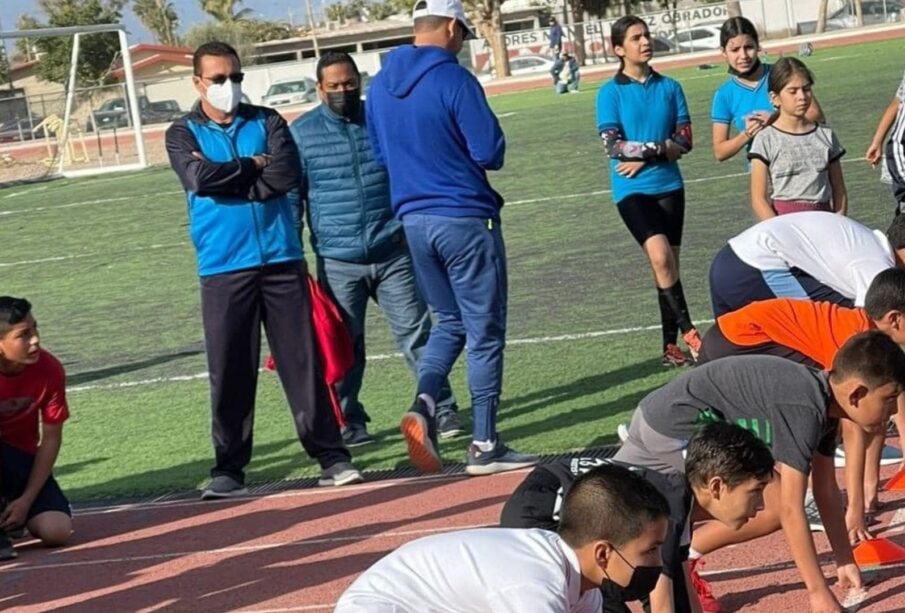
444, 8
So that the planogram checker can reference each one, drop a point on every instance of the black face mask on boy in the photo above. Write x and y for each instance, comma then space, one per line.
642, 583
346, 104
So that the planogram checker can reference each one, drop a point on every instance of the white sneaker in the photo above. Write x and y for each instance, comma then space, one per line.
622, 432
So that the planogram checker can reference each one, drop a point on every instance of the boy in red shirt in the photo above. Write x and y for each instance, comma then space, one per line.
811, 333
32, 411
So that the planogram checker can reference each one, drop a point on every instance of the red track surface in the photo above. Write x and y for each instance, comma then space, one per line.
300, 549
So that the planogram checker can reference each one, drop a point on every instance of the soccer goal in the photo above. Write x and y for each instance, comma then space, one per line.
48, 131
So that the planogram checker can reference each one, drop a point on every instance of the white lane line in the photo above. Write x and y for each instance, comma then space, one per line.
376, 357
897, 521
158, 505
19, 568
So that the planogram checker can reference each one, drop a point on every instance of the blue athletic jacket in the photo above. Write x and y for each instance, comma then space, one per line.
239, 215
347, 192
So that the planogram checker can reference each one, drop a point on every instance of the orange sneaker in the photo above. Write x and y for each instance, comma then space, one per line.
419, 429
673, 356
693, 340
709, 603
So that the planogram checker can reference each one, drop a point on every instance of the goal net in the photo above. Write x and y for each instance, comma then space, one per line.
74, 130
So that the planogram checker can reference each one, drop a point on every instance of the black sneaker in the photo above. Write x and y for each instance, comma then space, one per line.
499, 459
356, 435
7, 551
448, 424
419, 428
223, 486
341, 473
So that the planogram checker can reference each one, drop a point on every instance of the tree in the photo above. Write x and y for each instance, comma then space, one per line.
225, 11
160, 18
821, 16
242, 34
859, 13
97, 51
24, 47
487, 15
598, 8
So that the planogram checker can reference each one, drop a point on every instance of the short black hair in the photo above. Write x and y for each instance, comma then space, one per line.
725, 450
896, 232
611, 503
886, 293
12, 311
872, 357
215, 47
330, 58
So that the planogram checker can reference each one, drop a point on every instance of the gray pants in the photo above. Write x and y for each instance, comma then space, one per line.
648, 448
391, 284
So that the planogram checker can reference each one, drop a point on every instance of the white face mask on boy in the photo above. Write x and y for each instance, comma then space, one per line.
224, 96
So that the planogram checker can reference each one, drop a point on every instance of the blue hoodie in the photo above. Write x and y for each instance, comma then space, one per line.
430, 125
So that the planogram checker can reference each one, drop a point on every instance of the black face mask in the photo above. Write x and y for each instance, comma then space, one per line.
748, 72
642, 583
346, 104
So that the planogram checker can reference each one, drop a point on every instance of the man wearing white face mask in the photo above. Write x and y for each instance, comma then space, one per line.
237, 162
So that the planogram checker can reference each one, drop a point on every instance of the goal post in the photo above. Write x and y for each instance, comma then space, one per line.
65, 150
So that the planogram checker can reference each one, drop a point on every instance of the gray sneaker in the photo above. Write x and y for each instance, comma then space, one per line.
341, 473
223, 486
355, 435
815, 522
448, 425
7, 551
499, 459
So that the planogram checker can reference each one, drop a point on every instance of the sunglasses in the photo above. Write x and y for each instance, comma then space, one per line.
220, 79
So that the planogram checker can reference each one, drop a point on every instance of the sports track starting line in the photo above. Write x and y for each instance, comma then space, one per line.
538, 340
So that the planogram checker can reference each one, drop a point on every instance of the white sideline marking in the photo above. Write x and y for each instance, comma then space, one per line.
17, 568
509, 114
379, 357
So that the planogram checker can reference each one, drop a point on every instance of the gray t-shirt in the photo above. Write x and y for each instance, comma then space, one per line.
798, 163
783, 403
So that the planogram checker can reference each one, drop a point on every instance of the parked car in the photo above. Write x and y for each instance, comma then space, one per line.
521, 65
15, 130
290, 91
874, 12
697, 38
663, 45
113, 113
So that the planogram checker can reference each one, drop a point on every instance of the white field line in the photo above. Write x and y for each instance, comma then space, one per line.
70, 205
62, 258
19, 568
514, 202
537, 340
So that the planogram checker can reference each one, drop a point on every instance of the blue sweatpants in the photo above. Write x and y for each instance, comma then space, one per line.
460, 267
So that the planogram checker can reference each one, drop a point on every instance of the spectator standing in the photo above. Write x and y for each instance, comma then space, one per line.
360, 246
237, 162
430, 124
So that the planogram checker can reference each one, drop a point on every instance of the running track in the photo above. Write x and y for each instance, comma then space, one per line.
298, 550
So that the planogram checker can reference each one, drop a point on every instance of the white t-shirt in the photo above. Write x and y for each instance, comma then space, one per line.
483, 570
835, 250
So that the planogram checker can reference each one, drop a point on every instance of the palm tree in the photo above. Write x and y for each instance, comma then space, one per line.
224, 10
160, 17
